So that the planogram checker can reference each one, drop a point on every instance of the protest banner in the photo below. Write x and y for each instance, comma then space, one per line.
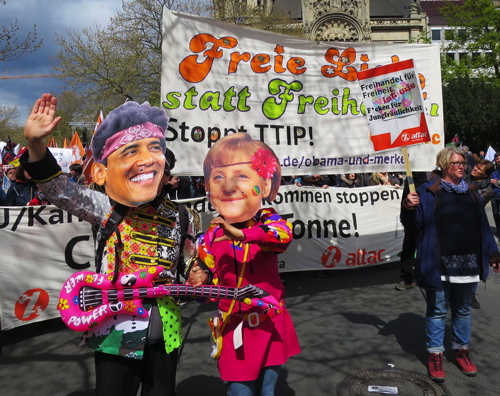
300, 97
41, 247
339, 228
335, 228
394, 106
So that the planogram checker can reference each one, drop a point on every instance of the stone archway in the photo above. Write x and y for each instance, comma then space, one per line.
337, 27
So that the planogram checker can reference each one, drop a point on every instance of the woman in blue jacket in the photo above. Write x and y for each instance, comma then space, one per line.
455, 247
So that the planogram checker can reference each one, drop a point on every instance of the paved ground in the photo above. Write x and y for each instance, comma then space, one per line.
350, 321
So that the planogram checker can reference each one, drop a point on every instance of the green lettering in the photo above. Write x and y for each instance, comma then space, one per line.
335, 102
348, 102
434, 110
210, 100
172, 101
228, 98
188, 100
320, 105
274, 108
243, 95
303, 101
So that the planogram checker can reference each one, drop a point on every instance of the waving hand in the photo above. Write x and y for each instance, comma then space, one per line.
41, 123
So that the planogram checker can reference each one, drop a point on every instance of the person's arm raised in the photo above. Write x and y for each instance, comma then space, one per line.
41, 123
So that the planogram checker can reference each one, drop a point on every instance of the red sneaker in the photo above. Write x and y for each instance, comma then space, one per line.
436, 370
463, 361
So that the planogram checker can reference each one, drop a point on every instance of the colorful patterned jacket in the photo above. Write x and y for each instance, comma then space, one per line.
151, 236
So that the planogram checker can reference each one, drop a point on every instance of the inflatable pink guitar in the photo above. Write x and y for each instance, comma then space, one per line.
87, 298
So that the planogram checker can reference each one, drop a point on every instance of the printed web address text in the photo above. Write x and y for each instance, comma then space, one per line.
291, 162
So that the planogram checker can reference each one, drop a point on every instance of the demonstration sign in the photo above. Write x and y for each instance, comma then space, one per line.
300, 97
63, 156
394, 105
339, 228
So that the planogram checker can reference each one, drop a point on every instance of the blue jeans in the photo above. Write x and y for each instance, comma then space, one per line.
266, 382
456, 296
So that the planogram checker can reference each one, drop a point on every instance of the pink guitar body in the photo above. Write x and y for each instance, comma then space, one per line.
87, 298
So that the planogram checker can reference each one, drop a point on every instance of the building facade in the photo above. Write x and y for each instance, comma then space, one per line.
386, 21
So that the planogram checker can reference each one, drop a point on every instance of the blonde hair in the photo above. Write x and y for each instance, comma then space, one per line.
444, 156
225, 150
379, 177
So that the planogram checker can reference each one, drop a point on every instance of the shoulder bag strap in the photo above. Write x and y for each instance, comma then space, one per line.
116, 217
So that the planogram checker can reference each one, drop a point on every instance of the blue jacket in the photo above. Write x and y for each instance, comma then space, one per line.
20, 193
427, 266
496, 175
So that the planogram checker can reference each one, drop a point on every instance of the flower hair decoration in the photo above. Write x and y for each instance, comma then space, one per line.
264, 163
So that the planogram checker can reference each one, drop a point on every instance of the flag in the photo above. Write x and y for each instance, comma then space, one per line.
65, 143
490, 154
89, 160
16, 161
52, 142
77, 147
5, 184
455, 142
8, 154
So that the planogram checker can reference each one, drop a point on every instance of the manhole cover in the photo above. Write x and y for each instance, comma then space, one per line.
408, 383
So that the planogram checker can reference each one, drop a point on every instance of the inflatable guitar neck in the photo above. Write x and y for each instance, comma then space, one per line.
87, 298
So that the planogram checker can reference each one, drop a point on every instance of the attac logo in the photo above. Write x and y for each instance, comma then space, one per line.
332, 256
31, 304
363, 257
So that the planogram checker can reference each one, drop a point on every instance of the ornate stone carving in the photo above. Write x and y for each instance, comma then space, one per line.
349, 20
323, 7
389, 22
351, 7
336, 30
355, 8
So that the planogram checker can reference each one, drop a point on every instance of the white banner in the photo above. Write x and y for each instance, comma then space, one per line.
41, 247
300, 97
334, 228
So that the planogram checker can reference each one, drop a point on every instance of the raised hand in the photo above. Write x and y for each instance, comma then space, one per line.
41, 123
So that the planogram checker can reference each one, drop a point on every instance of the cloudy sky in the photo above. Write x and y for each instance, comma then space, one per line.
50, 16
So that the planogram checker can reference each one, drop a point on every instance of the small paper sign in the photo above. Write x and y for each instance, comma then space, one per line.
394, 105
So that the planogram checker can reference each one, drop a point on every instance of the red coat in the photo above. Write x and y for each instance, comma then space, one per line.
272, 341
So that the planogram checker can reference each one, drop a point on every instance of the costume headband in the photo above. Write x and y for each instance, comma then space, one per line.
131, 134
262, 161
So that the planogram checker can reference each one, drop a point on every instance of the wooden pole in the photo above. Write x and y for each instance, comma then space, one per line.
409, 174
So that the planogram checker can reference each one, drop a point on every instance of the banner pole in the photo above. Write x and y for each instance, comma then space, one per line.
409, 174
